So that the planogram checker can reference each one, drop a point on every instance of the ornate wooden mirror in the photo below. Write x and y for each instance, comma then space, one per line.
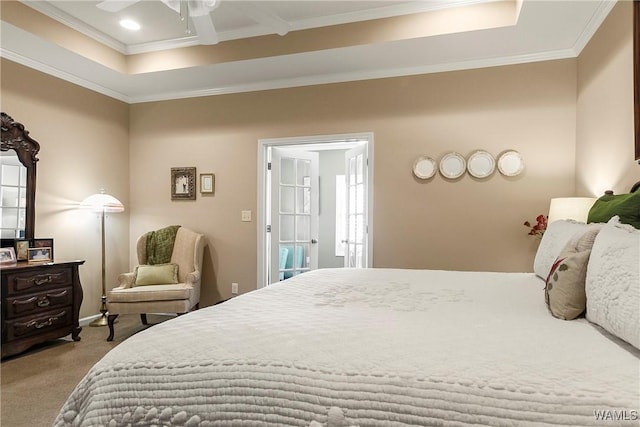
18, 158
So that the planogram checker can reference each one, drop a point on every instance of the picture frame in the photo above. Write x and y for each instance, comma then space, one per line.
41, 254
22, 249
7, 256
43, 243
207, 183
183, 183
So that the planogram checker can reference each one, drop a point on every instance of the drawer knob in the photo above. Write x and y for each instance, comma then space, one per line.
43, 302
42, 280
40, 325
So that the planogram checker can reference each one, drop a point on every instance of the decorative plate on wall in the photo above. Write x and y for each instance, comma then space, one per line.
510, 163
452, 165
424, 167
481, 164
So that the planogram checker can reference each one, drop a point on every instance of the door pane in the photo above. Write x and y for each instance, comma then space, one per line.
304, 172
286, 228
303, 200
287, 171
304, 256
287, 195
352, 171
359, 169
303, 228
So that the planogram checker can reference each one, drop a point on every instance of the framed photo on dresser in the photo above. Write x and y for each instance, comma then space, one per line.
43, 243
22, 248
7, 256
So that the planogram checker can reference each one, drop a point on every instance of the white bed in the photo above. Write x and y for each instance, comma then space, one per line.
376, 347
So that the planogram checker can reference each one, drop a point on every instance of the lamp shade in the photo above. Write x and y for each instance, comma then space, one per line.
102, 202
576, 208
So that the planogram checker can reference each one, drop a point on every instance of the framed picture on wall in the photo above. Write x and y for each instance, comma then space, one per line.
43, 243
183, 183
207, 183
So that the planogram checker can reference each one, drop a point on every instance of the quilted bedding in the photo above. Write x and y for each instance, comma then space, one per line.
369, 347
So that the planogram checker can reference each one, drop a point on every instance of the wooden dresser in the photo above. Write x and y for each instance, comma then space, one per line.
40, 302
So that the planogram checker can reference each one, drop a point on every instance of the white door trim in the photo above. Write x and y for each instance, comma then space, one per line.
263, 146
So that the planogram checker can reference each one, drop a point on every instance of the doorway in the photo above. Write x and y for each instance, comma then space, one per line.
314, 204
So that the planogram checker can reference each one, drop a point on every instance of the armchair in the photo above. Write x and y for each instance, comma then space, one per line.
180, 297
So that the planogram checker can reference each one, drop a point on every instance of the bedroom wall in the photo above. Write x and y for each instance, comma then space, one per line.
467, 224
604, 149
84, 141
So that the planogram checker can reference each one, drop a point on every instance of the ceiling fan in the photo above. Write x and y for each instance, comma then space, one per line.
198, 10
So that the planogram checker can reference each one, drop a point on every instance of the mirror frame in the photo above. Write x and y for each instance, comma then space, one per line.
16, 137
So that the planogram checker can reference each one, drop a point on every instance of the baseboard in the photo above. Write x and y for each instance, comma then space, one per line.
86, 320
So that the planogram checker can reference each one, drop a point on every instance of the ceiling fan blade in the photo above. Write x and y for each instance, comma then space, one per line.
115, 5
263, 16
205, 29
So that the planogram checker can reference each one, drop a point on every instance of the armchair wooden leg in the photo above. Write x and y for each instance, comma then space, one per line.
110, 321
143, 317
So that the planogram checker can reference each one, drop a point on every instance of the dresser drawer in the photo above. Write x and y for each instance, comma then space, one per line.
37, 303
40, 279
37, 324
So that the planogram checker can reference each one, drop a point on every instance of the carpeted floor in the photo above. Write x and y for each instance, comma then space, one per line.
36, 383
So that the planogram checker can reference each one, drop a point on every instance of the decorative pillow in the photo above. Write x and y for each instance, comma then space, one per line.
625, 206
554, 240
613, 281
159, 274
564, 293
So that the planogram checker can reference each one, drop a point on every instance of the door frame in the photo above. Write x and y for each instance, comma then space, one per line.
263, 146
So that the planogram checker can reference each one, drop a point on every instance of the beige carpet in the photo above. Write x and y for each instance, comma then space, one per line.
36, 383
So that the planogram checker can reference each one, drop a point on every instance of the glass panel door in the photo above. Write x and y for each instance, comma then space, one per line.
356, 244
294, 213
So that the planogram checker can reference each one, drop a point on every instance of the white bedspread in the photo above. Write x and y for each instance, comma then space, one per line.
376, 347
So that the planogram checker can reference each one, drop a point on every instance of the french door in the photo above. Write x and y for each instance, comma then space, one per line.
294, 213
356, 175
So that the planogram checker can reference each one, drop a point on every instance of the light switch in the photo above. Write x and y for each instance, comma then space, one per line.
246, 216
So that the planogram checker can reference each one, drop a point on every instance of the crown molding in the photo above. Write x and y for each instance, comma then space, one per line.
594, 23
63, 75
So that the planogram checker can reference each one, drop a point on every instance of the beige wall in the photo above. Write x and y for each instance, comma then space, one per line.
91, 141
604, 152
84, 146
467, 224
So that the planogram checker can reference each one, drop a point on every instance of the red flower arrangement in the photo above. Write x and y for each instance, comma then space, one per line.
539, 228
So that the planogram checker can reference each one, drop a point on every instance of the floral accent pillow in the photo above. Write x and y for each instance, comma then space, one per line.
565, 285
564, 291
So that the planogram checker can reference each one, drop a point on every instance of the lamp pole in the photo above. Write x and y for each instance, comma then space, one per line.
102, 203
102, 320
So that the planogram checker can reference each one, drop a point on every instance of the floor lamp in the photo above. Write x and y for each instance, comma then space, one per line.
102, 203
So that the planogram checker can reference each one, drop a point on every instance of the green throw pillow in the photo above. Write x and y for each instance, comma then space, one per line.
626, 206
159, 274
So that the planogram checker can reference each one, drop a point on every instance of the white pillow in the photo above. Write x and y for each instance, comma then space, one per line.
554, 239
613, 281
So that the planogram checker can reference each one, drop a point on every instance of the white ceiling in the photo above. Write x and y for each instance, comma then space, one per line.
545, 30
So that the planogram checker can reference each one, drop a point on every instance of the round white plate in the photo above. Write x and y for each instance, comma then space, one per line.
510, 163
452, 165
424, 167
481, 164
